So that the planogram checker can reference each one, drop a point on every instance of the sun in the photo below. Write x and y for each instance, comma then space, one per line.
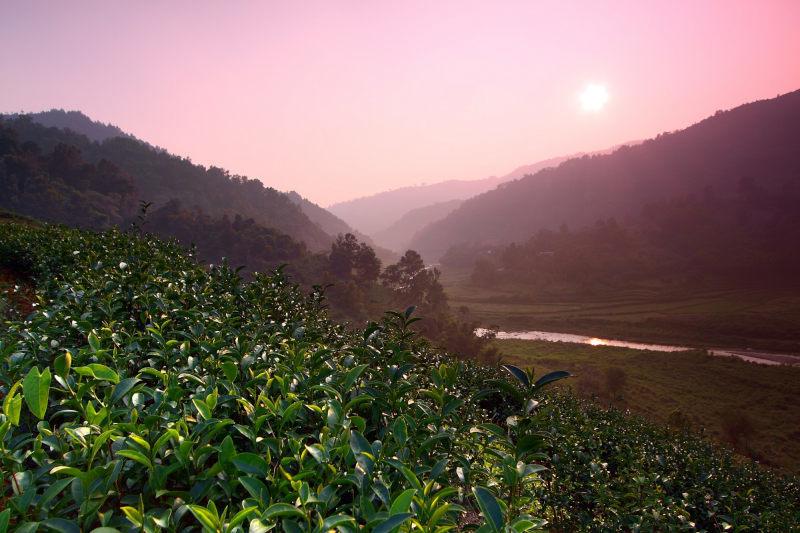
594, 97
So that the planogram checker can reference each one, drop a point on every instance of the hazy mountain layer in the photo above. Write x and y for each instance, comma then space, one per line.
334, 226
397, 236
755, 143
375, 213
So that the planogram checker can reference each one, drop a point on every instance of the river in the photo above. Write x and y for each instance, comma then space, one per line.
759, 357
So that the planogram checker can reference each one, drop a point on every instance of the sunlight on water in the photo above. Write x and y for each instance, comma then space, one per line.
581, 339
763, 358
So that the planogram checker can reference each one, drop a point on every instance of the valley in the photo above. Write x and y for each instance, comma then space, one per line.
758, 318
400, 267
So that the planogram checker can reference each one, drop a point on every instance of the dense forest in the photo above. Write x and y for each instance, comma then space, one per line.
744, 239
159, 177
756, 145
75, 121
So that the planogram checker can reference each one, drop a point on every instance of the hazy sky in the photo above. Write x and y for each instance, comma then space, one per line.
339, 99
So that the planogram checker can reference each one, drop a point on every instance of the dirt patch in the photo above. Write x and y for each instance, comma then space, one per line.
17, 291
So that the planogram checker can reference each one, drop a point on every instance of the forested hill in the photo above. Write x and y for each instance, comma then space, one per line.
755, 147
75, 121
159, 177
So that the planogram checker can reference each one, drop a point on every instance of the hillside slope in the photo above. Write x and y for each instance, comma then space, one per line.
375, 213
159, 177
757, 143
335, 226
75, 121
398, 236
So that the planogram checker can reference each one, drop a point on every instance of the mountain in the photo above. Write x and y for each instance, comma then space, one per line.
754, 145
62, 187
334, 226
74, 121
375, 213
397, 236
158, 177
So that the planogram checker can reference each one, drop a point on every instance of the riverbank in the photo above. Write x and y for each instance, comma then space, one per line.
752, 408
758, 319
758, 357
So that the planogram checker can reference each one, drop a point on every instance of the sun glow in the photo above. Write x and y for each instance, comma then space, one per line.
594, 97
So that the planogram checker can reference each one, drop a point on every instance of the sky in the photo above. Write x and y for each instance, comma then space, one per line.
341, 99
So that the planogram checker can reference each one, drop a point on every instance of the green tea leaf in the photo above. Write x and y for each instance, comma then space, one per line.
12, 404
277, 510
391, 523
250, 463
36, 391
205, 517
551, 377
519, 374
122, 388
61, 525
490, 508
98, 371
402, 502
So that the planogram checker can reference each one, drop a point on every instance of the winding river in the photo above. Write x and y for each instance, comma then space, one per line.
763, 358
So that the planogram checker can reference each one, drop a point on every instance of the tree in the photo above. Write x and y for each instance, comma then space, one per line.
415, 284
351, 260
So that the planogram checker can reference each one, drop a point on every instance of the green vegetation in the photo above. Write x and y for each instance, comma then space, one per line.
752, 408
762, 318
61, 176
144, 393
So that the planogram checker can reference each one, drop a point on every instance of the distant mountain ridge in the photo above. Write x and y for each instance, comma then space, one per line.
759, 141
376, 213
335, 226
398, 236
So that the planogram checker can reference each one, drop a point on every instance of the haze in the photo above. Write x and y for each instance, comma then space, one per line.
339, 100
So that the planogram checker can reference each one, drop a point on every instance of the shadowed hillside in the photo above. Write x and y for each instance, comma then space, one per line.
399, 235
334, 226
75, 121
756, 144
158, 177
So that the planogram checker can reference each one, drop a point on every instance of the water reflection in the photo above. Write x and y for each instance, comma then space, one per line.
581, 339
764, 358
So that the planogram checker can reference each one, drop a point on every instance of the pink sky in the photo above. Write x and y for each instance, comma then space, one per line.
340, 99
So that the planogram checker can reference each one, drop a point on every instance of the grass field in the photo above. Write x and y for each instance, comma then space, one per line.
767, 319
753, 408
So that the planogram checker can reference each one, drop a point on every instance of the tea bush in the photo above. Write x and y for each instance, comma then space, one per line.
145, 393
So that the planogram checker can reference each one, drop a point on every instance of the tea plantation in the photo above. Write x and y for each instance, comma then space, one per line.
146, 393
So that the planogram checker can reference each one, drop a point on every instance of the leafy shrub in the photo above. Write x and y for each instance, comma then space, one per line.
145, 393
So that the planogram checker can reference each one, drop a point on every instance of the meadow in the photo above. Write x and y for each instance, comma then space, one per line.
747, 406
758, 318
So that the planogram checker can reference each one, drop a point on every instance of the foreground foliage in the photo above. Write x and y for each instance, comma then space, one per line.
145, 393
